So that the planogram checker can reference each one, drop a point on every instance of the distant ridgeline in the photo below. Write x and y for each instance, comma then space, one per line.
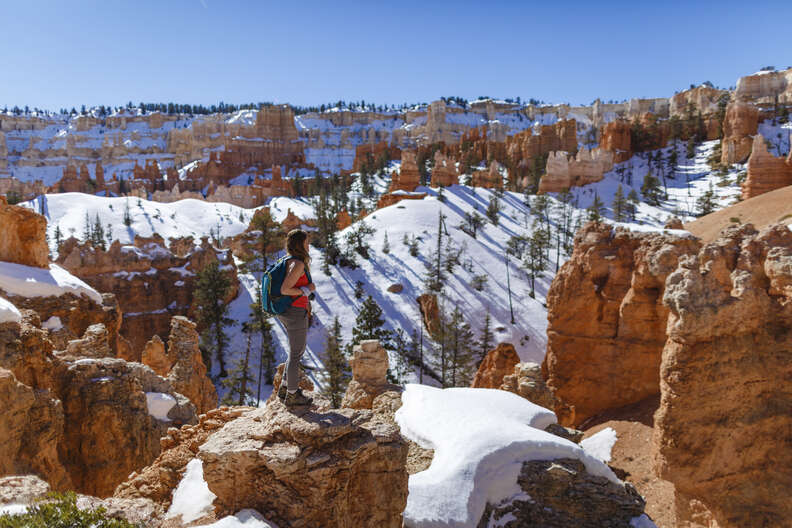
245, 154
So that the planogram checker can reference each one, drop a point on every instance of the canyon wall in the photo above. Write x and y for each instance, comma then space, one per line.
606, 319
724, 426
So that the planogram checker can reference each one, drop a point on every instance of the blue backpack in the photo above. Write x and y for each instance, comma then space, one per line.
271, 281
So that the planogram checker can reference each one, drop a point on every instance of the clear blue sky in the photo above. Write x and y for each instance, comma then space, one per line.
66, 53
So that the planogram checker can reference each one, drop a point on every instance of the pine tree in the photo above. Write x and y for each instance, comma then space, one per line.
632, 204
357, 238
336, 366
473, 221
98, 233
691, 148
706, 202
459, 340
486, 341
239, 381
434, 278
398, 371
596, 210
87, 228
270, 234
58, 237
127, 214
359, 291
650, 188
369, 325
534, 260
619, 205
211, 288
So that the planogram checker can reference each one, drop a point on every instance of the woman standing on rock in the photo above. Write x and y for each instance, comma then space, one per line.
299, 286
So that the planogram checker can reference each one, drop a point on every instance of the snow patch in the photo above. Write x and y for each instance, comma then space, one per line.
192, 498
52, 324
27, 281
481, 439
159, 405
8, 312
599, 445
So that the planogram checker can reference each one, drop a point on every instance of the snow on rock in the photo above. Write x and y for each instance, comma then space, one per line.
192, 498
27, 281
599, 445
54, 324
8, 312
159, 405
243, 519
481, 439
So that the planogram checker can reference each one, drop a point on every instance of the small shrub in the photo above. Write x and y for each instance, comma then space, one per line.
735, 220
60, 511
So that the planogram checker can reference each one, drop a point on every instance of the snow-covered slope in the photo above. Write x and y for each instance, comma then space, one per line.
483, 257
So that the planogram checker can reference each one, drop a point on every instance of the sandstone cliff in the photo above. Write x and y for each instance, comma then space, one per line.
23, 236
742, 121
765, 171
564, 171
606, 319
723, 430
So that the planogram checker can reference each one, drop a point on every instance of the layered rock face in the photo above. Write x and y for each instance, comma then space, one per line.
704, 99
606, 319
765, 171
152, 280
87, 419
23, 236
408, 177
724, 427
444, 171
766, 87
369, 375
157, 481
370, 153
341, 468
498, 362
741, 123
182, 365
616, 137
109, 431
564, 171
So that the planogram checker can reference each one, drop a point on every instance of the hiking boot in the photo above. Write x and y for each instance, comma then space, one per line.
297, 399
282, 392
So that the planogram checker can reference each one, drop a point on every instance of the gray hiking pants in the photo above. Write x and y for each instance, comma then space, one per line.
295, 321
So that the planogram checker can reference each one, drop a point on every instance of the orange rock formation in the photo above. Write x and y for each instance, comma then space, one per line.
765, 171
742, 121
606, 319
23, 236
723, 429
498, 362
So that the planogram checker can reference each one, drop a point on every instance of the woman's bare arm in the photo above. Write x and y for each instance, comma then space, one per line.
287, 288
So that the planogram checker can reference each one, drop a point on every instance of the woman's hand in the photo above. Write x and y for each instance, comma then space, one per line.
312, 287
